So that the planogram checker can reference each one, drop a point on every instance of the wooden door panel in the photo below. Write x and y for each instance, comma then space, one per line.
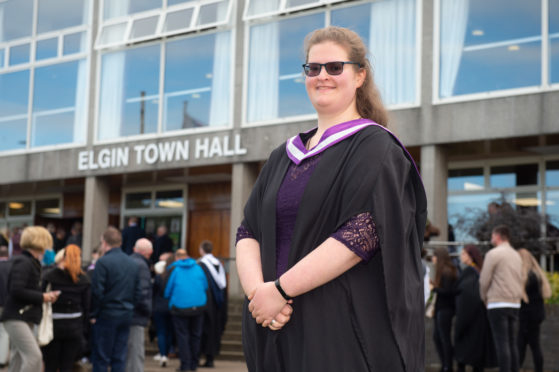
212, 225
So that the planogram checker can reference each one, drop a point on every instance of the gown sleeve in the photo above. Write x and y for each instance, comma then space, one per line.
243, 233
359, 235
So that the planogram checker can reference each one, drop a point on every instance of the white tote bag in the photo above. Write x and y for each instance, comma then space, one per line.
45, 333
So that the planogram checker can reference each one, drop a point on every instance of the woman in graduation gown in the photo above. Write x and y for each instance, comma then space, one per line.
329, 251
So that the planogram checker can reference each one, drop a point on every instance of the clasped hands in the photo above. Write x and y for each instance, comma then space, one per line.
268, 306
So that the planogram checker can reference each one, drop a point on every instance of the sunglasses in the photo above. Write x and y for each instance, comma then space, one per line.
332, 68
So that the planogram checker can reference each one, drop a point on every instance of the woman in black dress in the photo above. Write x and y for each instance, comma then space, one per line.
532, 310
444, 287
472, 336
69, 313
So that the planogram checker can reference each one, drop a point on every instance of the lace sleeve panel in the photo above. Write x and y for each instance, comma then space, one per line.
359, 234
243, 233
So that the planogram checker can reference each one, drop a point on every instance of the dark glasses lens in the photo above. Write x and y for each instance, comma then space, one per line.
332, 68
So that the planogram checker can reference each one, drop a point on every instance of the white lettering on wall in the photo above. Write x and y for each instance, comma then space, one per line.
215, 149
139, 150
122, 157
182, 151
152, 153
202, 148
162, 152
166, 150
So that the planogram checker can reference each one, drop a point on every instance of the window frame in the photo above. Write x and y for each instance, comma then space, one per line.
34, 64
153, 210
284, 9
160, 134
326, 7
162, 14
33, 200
544, 86
542, 189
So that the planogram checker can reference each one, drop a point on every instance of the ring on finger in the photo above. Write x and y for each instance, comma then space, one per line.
273, 322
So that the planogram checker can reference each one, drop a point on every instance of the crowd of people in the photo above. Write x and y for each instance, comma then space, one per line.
101, 310
497, 303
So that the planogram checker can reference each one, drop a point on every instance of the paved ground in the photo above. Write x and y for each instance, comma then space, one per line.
220, 366
153, 366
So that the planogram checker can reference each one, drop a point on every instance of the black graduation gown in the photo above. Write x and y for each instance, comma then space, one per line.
371, 318
473, 344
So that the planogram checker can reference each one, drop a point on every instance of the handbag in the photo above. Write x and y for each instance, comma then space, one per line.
430, 305
45, 332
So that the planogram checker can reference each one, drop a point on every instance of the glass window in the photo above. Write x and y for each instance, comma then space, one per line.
47, 207
169, 199
178, 20
197, 86
59, 104
119, 8
552, 210
295, 3
74, 43
144, 27
257, 7
19, 208
514, 175
175, 2
212, 13
478, 54
112, 34
468, 208
19, 54
527, 201
2, 210
275, 79
14, 98
465, 179
47, 48
552, 173
389, 31
138, 200
129, 94
16, 19
2, 56
554, 41
58, 14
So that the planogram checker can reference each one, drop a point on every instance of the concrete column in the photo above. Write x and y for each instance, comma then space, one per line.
244, 177
96, 213
434, 171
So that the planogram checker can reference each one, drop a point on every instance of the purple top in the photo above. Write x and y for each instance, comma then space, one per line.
358, 233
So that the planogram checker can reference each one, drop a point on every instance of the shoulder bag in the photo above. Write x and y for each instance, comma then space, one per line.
45, 332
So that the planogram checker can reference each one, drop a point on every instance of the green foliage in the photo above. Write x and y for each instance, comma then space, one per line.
554, 281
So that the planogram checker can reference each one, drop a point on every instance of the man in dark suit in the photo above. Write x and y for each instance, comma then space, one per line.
163, 244
115, 291
130, 234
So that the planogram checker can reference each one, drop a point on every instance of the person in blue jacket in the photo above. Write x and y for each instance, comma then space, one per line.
186, 290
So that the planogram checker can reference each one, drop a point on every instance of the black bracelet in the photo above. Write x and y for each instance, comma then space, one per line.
281, 291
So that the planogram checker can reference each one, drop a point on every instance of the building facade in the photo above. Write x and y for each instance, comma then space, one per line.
166, 109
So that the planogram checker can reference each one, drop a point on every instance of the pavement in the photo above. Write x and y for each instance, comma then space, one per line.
220, 366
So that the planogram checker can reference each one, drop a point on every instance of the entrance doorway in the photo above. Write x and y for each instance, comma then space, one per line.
157, 207
209, 210
173, 224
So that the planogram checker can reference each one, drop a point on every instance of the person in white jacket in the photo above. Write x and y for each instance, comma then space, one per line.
215, 315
